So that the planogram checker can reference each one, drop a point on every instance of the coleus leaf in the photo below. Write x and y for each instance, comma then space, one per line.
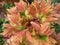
21, 28
1, 24
2, 21
7, 5
2, 40
43, 37
22, 14
57, 27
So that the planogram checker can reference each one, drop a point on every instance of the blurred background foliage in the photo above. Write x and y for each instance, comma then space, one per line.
55, 1
2, 20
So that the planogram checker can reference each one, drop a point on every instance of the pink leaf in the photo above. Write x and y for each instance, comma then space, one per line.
21, 6
28, 36
36, 26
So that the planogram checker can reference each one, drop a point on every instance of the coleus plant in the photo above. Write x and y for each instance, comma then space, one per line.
30, 24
